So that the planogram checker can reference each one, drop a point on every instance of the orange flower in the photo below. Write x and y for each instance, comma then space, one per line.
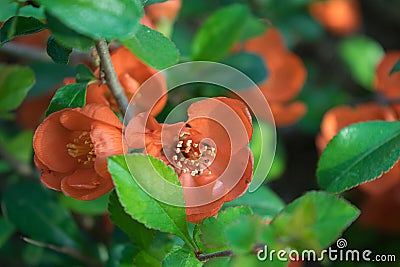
131, 73
341, 17
339, 117
165, 10
381, 211
386, 83
287, 75
210, 149
71, 149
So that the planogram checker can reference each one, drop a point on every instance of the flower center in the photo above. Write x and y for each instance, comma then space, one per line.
82, 149
193, 157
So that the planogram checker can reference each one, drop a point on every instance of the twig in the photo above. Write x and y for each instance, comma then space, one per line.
111, 78
65, 250
19, 166
224, 253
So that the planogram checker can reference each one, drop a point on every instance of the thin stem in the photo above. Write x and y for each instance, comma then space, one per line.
205, 257
65, 250
224, 253
112, 79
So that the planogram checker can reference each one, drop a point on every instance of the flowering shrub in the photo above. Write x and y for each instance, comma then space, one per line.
197, 133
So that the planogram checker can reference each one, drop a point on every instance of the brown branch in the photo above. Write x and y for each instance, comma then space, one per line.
65, 250
224, 253
112, 79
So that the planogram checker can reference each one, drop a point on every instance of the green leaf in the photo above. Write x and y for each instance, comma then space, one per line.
19, 146
141, 206
182, 257
84, 74
138, 233
250, 64
152, 47
92, 207
18, 26
152, 2
69, 96
359, 153
57, 52
144, 258
67, 36
263, 202
110, 19
121, 256
15, 82
361, 54
39, 215
209, 233
244, 233
253, 27
9, 9
219, 33
313, 221
396, 68
6, 230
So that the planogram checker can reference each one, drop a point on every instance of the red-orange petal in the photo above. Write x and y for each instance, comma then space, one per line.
286, 78
139, 129
387, 83
222, 119
52, 179
165, 10
85, 184
50, 144
328, 12
342, 116
287, 114
269, 45
96, 94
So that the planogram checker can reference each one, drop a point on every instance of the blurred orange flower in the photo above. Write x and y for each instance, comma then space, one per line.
71, 149
165, 10
287, 75
201, 149
132, 73
341, 17
339, 117
386, 83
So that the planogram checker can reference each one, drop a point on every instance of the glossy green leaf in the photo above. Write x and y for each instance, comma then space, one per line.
92, 207
209, 233
396, 68
39, 216
182, 257
84, 74
359, 153
57, 52
110, 19
69, 96
219, 33
361, 54
313, 221
263, 202
138, 233
18, 26
152, 2
6, 230
250, 64
66, 36
152, 47
15, 82
141, 206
